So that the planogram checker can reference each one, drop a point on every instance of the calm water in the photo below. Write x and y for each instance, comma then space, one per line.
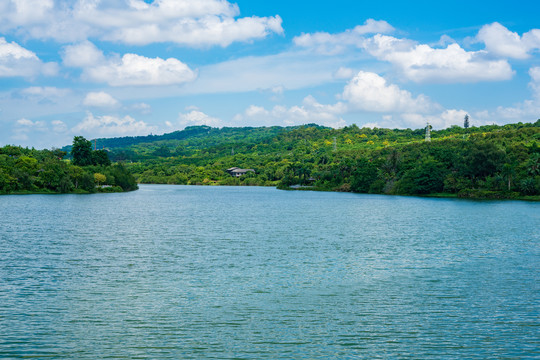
176, 272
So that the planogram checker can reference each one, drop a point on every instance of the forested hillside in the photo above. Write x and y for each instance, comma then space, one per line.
485, 162
489, 161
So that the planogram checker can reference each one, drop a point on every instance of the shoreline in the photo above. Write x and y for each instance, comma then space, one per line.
533, 198
501, 197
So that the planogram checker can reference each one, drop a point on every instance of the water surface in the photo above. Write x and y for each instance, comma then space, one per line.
178, 272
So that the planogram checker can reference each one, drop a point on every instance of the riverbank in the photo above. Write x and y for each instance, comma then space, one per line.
470, 194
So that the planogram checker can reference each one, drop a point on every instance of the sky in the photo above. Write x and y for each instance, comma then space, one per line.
110, 68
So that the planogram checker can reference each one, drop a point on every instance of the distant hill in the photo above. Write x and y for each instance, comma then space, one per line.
486, 162
190, 132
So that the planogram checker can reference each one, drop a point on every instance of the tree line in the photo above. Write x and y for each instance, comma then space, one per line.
24, 170
488, 161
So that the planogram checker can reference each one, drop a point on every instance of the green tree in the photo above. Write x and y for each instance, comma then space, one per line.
508, 171
123, 178
364, 176
81, 151
533, 164
54, 176
100, 157
482, 159
99, 178
426, 178
466, 122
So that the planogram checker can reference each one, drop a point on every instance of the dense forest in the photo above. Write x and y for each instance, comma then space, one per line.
25, 170
474, 162
481, 162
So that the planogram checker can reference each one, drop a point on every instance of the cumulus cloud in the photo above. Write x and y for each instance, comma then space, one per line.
368, 91
100, 99
15, 13
503, 42
129, 70
191, 23
326, 43
27, 124
138, 70
107, 126
197, 117
311, 111
529, 109
18, 61
84, 54
422, 63
524, 111
442, 120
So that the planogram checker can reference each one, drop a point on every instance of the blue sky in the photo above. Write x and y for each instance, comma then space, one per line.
132, 67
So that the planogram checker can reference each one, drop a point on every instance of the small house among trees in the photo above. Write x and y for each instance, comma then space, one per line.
237, 172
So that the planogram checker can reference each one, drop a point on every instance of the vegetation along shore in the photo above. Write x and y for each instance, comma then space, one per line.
30, 171
493, 162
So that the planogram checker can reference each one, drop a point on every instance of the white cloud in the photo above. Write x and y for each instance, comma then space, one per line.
192, 23
196, 117
28, 123
100, 99
138, 70
59, 126
42, 96
535, 82
206, 31
370, 92
16, 13
24, 127
310, 111
422, 63
84, 54
503, 42
344, 73
129, 70
528, 110
525, 111
442, 120
143, 108
39, 133
326, 43
191, 107
107, 126
45, 92
18, 61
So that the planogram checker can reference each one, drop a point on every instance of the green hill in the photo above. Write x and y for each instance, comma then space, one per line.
489, 161
480, 162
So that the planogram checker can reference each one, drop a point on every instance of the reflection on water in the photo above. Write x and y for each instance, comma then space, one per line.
177, 272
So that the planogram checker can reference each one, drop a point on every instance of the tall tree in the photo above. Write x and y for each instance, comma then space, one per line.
81, 151
100, 157
466, 122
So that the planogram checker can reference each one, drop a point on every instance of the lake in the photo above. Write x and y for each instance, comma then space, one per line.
187, 272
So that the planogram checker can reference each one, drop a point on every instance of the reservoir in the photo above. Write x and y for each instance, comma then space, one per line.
187, 272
